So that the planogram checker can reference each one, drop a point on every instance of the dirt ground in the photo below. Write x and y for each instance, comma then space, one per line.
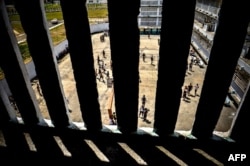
148, 75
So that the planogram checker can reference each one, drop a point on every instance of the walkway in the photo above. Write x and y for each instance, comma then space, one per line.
205, 55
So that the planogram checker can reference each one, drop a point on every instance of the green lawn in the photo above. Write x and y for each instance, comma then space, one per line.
14, 17
94, 11
53, 15
24, 49
57, 34
98, 13
17, 27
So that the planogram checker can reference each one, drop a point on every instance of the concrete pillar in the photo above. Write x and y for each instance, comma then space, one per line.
174, 51
223, 59
81, 54
34, 23
125, 61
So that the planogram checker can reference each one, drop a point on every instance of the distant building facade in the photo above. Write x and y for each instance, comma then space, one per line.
207, 12
150, 13
96, 1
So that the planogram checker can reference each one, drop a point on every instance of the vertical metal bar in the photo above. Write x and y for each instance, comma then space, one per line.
176, 32
124, 41
80, 47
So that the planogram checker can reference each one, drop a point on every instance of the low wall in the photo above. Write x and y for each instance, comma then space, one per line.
58, 51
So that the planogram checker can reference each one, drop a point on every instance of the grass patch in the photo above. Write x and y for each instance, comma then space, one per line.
14, 17
58, 34
17, 26
52, 15
98, 13
92, 13
97, 5
49, 16
24, 49
51, 6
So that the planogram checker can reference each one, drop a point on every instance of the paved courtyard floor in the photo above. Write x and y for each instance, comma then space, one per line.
148, 75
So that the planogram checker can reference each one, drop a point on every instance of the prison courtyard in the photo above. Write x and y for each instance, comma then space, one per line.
148, 78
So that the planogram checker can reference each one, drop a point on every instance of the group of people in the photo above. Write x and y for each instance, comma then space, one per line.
143, 112
151, 58
113, 119
101, 68
194, 60
187, 90
102, 37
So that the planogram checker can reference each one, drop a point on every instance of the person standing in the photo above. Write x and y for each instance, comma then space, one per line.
103, 53
143, 99
145, 114
144, 57
39, 89
196, 87
98, 59
107, 74
185, 92
191, 66
114, 119
141, 111
152, 59
190, 87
